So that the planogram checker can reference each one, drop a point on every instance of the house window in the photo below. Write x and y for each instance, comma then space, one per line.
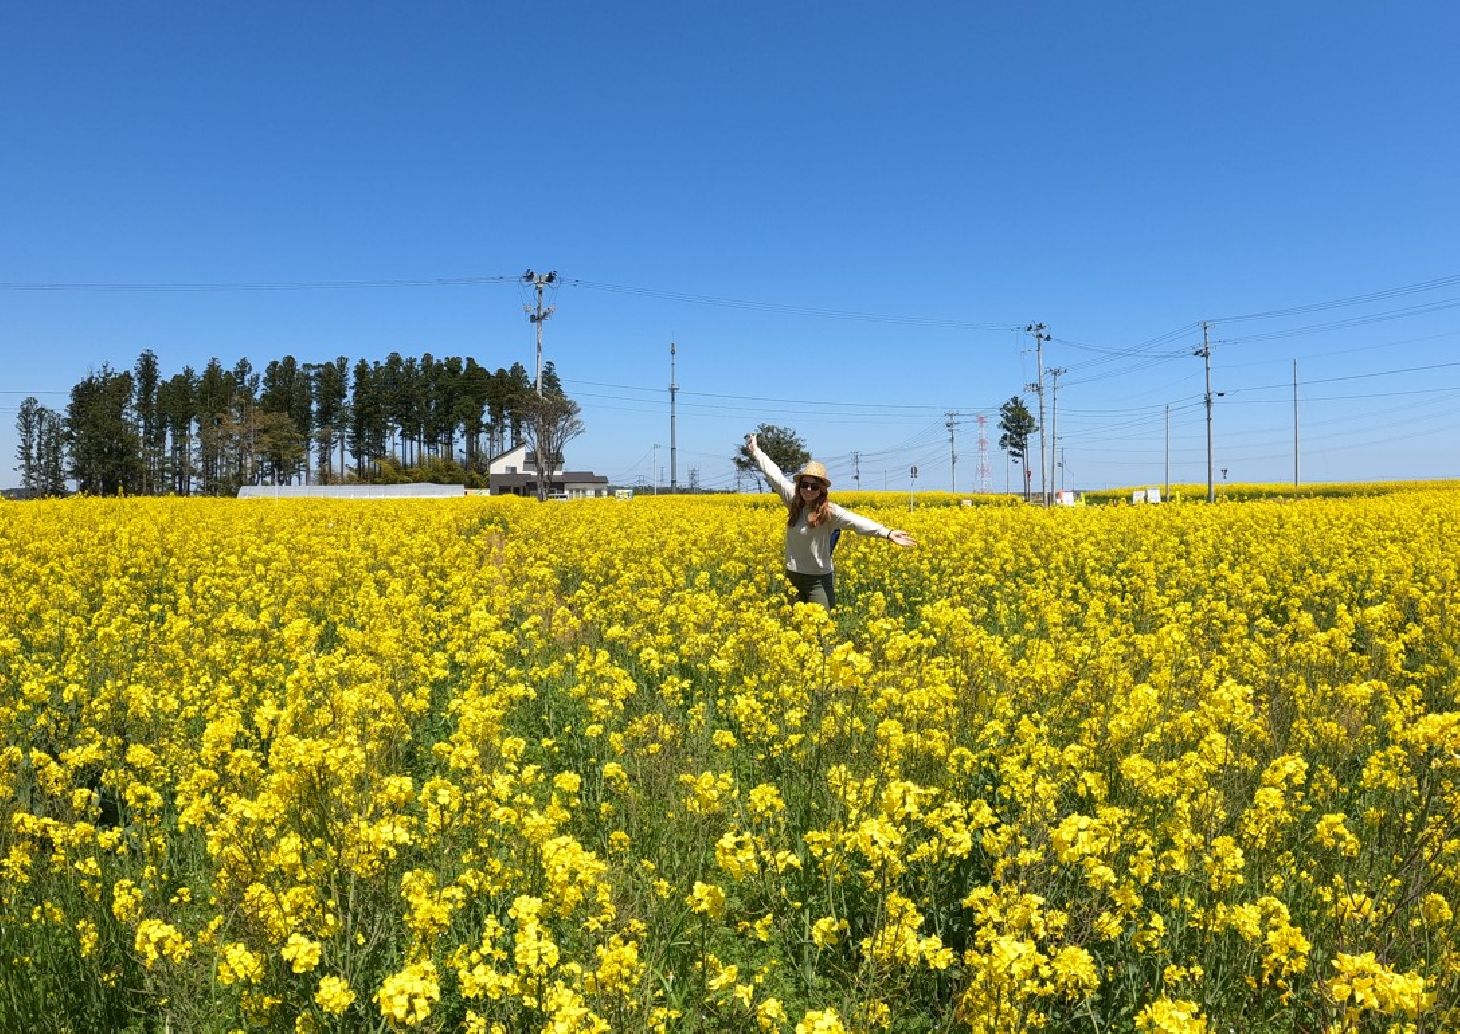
512, 470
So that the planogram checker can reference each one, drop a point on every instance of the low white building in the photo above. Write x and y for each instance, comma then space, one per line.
414, 490
515, 472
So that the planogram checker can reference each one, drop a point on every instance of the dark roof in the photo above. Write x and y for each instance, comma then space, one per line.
577, 477
506, 452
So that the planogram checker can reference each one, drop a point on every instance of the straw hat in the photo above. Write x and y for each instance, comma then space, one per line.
814, 469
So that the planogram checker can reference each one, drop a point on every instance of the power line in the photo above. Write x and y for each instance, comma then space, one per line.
1348, 351
1357, 299
244, 285
1353, 376
1356, 321
761, 398
787, 309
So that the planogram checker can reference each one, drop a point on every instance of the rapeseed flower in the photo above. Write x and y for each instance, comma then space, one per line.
488, 760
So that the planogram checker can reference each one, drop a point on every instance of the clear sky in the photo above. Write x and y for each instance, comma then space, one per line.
844, 214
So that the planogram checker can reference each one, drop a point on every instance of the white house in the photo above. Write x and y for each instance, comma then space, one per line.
519, 461
515, 473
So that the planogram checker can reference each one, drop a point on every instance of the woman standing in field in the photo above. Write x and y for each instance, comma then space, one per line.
811, 525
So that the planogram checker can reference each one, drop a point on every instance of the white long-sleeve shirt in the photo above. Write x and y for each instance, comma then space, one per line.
808, 549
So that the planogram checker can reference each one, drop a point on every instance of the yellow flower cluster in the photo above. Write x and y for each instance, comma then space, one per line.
491, 766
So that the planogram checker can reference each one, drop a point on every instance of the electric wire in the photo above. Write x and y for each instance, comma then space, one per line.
244, 285
1358, 299
1356, 321
787, 309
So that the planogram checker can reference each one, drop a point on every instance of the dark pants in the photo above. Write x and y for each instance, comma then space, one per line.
814, 588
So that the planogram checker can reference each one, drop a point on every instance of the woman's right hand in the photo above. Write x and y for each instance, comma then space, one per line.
751, 444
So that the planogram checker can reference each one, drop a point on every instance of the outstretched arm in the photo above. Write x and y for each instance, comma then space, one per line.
866, 526
773, 473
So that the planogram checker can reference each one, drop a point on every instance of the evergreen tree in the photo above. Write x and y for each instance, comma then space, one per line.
177, 409
286, 389
51, 453
105, 451
470, 412
498, 394
783, 445
242, 428
517, 395
395, 389
1016, 424
330, 386
151, 433
423, 407
446, 393
27, 452
214, 395
367, 418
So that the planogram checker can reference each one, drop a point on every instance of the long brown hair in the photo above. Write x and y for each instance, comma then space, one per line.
820, 510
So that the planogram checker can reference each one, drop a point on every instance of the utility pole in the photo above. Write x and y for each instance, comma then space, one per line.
654, 465
1055, 372
985, 477
1040, 337
672, 389
1206, 354
1295, 423
538, 282
1166, 485
857, 468
952, 453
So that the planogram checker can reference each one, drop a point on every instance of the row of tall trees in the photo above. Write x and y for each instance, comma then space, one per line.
140, 431
41, 449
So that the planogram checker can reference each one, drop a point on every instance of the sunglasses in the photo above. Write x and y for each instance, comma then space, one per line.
815, 486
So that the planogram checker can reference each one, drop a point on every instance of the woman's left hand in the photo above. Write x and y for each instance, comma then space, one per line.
902, 538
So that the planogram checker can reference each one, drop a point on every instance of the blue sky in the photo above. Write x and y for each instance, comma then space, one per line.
844, 215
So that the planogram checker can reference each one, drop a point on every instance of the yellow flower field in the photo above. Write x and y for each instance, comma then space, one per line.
488, 765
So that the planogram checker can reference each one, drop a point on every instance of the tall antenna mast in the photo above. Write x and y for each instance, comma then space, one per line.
673, 482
